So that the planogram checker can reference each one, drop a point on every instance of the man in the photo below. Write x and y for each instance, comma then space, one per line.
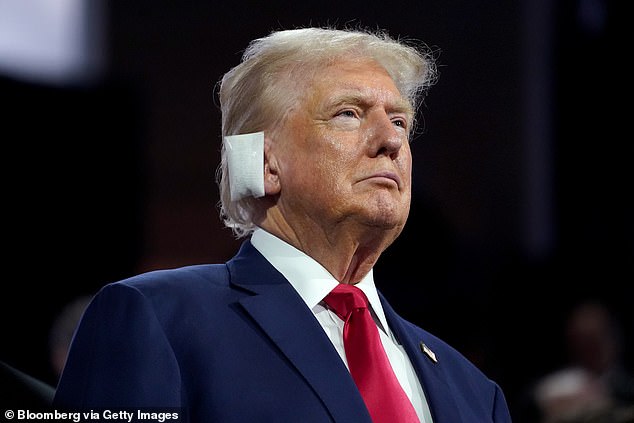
316, 176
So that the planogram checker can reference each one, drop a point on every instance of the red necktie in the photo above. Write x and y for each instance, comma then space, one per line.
368, 363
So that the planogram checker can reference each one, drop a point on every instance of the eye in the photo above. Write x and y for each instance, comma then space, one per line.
401, 123
347, 113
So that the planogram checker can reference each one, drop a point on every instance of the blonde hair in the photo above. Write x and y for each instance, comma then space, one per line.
255, 95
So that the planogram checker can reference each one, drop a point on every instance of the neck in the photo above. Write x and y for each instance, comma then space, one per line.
347, 250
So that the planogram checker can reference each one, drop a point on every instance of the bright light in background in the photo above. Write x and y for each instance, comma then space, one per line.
52, 41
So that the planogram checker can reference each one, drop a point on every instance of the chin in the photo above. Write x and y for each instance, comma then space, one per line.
390, 213
388, 221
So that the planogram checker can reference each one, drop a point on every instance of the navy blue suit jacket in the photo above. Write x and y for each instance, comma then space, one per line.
235, 342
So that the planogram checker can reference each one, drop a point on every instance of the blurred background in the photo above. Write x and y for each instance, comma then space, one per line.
522, 205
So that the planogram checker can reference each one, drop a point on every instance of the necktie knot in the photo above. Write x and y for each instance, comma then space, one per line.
345, 299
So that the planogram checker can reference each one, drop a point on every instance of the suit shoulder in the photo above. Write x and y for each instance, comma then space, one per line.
166, 293
187, 279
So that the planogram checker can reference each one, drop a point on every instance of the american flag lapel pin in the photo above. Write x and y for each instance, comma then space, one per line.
424, 348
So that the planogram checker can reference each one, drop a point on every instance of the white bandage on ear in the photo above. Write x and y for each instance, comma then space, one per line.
245, 160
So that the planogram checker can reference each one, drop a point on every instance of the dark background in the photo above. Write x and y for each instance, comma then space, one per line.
522, 177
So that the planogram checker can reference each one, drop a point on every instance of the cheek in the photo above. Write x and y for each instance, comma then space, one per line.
334, 162
407, 173
311, 172
320, 163
404, 163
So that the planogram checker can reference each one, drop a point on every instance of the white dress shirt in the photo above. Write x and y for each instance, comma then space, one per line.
313, 282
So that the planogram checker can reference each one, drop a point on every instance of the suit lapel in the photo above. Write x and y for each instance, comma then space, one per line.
430, 373
299, 337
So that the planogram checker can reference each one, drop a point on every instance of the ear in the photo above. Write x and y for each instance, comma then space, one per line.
271, 176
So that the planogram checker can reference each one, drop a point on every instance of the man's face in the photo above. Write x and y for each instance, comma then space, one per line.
343, 153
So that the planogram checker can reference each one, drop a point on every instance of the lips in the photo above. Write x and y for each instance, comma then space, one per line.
386, 175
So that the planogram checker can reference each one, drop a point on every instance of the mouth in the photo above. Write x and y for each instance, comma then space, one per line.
389, 178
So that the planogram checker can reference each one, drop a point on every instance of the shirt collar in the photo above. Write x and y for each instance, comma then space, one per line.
309, 278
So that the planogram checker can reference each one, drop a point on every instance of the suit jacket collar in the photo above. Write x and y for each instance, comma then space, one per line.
430, 373
300, 338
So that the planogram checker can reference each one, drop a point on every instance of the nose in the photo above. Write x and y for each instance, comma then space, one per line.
385, 137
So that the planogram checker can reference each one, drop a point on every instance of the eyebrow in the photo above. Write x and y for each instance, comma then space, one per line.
400, 105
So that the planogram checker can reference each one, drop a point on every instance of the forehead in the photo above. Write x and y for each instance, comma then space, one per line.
358, 78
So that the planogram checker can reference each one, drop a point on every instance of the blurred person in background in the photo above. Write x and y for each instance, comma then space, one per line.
595, 386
